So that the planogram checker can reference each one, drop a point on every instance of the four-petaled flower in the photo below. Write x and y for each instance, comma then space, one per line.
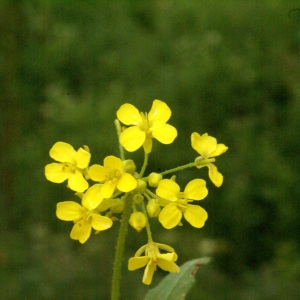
153, 258
85, 216
208, 147
113, 176
177, 203
72, 166
145, 126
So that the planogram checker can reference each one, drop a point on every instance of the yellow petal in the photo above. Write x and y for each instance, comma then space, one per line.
92, 197
195, 215
215, 176
163, 132
129, 114
112, 163
166, 264
126, 183
97, 173
107, 203
82, 158
132, 138
160, 111
108, 189
170, 216
77, 182
57, 173
204, 144
148, 273
81, 231
62, 152
168, 256
100, 222
168, 189
221, 148
69, 211
135, 263
196, 189
163, 202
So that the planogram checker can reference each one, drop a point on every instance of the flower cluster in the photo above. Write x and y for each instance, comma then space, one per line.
117, 184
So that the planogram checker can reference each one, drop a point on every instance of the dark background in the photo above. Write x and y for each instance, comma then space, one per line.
229, 68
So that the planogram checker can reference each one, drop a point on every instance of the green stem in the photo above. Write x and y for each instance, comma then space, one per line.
115, 294
197, 163
144, 165
149, 234
190, 165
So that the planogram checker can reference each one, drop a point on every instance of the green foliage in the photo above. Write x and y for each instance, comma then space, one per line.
229, 68
175, 286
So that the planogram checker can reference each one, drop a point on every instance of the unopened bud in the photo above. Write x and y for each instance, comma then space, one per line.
117, 206
138, 220
138, 198
153, 208
154, 179
129, 166
86, 148
141, 186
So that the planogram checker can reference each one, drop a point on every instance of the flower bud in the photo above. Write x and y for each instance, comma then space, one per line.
153, 208
129, 166
86, 148
141, 186
138, 220
173, 178
154, 179
117, 206
138, 198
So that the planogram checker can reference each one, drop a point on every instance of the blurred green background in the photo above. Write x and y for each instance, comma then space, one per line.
229, 68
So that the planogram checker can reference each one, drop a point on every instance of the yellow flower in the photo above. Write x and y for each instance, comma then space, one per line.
72, 166
85, 216
208, 147
113, 176
153, 258
178, 203
146, 126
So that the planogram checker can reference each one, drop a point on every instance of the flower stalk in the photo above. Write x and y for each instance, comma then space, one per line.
117, 267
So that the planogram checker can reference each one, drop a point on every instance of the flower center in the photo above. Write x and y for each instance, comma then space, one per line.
201, 161
145, 125
181, 202
85, 217
113, 175
71, 167
180, 196
152, 252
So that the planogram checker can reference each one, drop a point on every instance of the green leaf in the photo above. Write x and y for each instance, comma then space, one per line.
175, 286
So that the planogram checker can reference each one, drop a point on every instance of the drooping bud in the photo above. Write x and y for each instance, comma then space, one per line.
153, 208
138, 220
154, 179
